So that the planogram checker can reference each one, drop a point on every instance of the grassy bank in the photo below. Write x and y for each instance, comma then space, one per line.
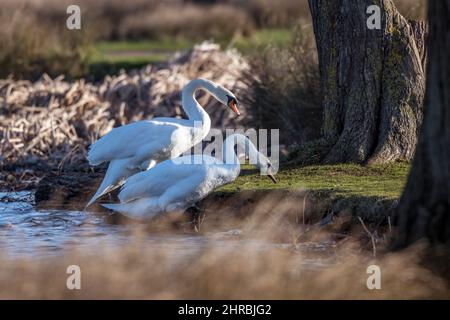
383, 181
363, 191
320, 193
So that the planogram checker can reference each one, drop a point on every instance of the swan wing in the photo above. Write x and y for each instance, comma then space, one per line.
177, 197
163, 176
136, 138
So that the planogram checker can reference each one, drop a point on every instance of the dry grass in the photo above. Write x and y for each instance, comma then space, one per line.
194, 22
31, 46
285, 86
153, 19
275, 14
113, 19
274, 255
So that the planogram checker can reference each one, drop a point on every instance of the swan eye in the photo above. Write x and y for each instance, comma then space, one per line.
232, 104
231, 100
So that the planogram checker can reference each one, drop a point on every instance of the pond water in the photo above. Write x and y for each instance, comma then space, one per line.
25, 231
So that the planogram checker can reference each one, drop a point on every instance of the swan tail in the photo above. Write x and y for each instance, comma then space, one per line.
127, 209
101, 192
113, 206
94, 157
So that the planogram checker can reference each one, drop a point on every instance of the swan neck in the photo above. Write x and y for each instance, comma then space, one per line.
230, 156
190, 105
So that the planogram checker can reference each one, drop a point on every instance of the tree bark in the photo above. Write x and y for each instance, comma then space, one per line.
424, 208
372, 80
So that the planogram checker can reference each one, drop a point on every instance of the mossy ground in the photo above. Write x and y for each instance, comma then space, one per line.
344, 180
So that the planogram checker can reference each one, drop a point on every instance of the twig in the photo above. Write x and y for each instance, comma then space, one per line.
304, 207
372, 238
389, 224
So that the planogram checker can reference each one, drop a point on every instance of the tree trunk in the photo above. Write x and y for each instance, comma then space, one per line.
424, 208
372, 80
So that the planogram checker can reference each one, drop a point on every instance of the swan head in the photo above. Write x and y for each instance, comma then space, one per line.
227, 98
266, 168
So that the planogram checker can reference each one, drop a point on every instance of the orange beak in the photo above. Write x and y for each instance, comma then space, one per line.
233, 107
272, 178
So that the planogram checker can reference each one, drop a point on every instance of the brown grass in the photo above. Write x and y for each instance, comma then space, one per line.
31, 46
112, 19
285, 85
191, 21
276, 14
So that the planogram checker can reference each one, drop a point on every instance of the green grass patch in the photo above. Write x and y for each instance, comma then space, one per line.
132, 59
166, 44
263, 38
109, 57
383, 181
258, 39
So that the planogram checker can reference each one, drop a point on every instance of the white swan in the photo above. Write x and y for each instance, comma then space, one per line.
140, 145
177, 184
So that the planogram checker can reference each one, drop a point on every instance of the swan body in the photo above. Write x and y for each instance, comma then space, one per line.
140, 145
177, 184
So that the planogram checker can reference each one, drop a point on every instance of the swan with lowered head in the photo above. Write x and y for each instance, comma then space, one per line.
140, 145
177, 184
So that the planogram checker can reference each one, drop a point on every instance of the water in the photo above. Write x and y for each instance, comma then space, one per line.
25, 231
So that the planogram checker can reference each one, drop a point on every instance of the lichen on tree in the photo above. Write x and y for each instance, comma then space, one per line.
372, 80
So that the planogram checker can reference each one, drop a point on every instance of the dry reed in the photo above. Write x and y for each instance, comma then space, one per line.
285, 85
